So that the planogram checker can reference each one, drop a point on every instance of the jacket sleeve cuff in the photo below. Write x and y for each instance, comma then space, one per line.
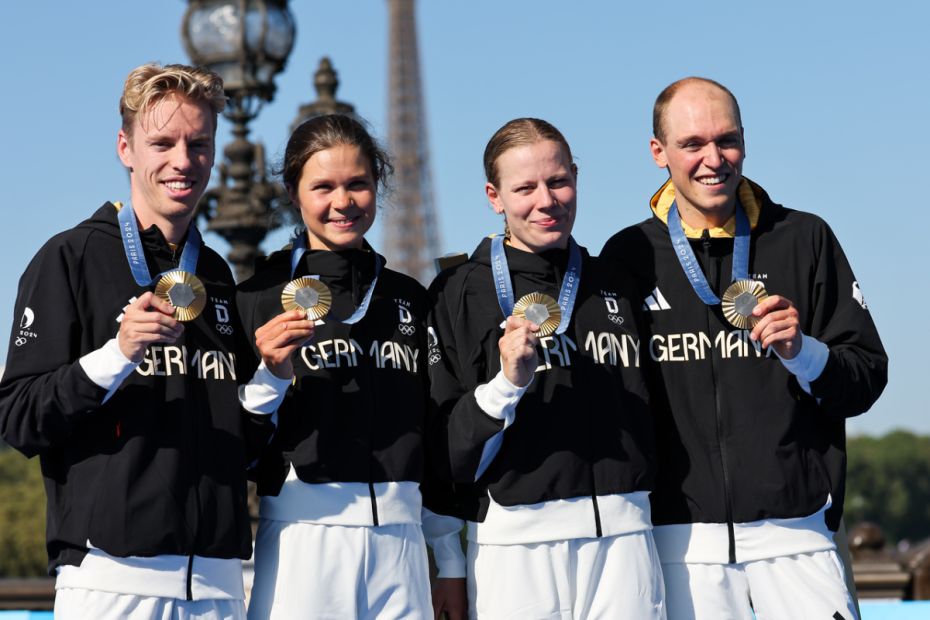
498, 398
442, 535
107, 367
264, 393
810, 360
809, 363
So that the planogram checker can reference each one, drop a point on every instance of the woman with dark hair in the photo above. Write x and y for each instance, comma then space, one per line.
534, 367
342, 515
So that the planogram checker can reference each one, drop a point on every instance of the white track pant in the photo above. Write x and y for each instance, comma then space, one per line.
806, 585
81, 604
614, 578
305, 570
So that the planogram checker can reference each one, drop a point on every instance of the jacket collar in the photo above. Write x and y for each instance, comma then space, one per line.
519, 261
750, 195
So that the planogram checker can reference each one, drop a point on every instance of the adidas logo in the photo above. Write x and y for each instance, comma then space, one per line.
656, 301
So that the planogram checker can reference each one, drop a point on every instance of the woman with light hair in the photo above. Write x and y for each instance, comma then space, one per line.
534, 369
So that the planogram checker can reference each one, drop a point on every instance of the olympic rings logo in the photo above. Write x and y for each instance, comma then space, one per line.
20, 341
618, 320
434, 358
224, 329
407, 330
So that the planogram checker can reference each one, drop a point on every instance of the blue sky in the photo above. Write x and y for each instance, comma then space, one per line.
833, 101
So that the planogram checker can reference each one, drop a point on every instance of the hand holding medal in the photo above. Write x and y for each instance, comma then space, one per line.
277, 340
518, 351
147, 320
518, 344
777, 325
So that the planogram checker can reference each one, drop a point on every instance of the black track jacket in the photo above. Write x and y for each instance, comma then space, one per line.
738, 439
583, 428
159, 468
358, 409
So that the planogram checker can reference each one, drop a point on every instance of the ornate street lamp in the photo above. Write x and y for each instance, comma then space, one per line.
247, 43
326, 81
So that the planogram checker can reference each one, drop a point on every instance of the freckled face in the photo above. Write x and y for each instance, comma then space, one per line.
336, 193
537, 195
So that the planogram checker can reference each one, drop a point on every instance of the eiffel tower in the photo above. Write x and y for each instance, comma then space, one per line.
411, 231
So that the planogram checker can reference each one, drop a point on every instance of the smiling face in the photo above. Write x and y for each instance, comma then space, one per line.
536, 194
336, 193
169, 154
703, 149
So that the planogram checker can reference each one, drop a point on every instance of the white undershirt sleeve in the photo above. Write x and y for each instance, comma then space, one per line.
498, 398
264, 393
810, 361
107, 367
442, 535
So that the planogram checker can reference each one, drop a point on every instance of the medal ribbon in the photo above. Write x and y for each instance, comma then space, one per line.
504, 288
132, 244
689, 263
299, 248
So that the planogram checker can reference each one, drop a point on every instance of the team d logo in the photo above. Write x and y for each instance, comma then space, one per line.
405, 319
613, 310
223, 324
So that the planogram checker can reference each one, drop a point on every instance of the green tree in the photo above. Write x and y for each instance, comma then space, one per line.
888, 483
22, 516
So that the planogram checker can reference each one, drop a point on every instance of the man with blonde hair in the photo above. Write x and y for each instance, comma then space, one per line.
121, 376
764, 345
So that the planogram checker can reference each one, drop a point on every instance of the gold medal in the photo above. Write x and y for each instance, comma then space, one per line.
540, 309
309, 295
185, 292
739, 300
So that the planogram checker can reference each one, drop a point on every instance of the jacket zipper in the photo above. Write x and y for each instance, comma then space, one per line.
357, 295
598, 530
374, 502
718, 417
190, 577
175, 260
597, 512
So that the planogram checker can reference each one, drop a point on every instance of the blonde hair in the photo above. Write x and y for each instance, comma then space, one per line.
151, 83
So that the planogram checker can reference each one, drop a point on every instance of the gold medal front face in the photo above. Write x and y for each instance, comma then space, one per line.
185, 292
540, 309
309, 295
739, 300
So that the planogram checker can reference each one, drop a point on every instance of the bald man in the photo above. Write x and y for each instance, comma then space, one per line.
763, 346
